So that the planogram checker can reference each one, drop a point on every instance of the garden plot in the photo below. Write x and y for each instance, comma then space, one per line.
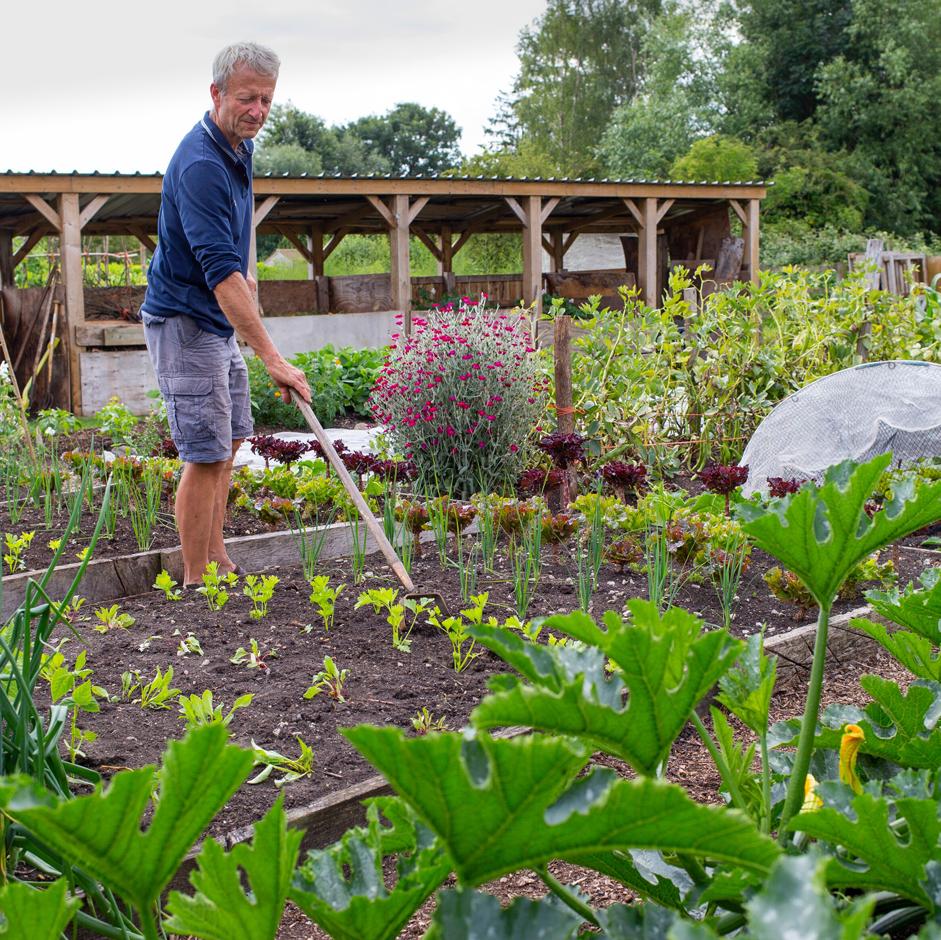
283, 650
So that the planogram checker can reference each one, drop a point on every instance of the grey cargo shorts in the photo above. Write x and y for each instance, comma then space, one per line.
204, 381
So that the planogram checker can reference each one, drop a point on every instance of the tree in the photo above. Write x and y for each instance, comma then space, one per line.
414, 140
676, 102
645, 136
289, 159
877, 100
794, 39
716, 158
579, 61
338, 151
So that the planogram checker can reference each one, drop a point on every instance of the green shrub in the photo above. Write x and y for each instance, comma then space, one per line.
340, 383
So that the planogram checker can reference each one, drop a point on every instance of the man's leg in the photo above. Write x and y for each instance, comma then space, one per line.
217, 550
196, 500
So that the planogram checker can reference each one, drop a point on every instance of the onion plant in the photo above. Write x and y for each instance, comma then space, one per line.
310, 540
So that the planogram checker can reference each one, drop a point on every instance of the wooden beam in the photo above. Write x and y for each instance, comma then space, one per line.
428, 242
261, 212
569, 241
739, 211
32, 240
7, 264
752, 241
382, 209
664, 209
346, 220
532, 253
417, 207
398, 252
44, 209
39, 183
144, 239
316, 250
298, 243
579, 225
70, 251
518, 210
334, 242
547, 208
647, 253
91, 210
556, 249
447, 251
634, 211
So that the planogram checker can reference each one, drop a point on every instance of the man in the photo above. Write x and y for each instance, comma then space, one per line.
199, 289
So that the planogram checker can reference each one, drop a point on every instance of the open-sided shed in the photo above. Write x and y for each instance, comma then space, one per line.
315, 214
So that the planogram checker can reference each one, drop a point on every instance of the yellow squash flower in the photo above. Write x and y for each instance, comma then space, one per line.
811, 800
853, 737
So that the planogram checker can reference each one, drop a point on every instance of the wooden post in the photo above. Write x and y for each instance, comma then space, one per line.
70, 233
562, 353
315, 242
6, 257
647, 254
532, 253
752, 240
446, 264
557, 241
398, 251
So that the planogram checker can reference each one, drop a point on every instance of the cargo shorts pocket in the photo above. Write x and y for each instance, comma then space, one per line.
189, 406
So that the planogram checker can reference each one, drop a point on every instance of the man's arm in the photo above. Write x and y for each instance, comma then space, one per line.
237, 301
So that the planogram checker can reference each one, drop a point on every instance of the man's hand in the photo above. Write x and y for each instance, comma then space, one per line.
288, 378
252, 285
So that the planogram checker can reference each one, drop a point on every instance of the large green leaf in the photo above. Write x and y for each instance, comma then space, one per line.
102, 834
884, 860
342, 887
471, 915
746, 688
822, 533
666, 662
918, 609
646, 872
28, 913
648, 922
499, 805
795, 902
221, 909
916, 653
899, 727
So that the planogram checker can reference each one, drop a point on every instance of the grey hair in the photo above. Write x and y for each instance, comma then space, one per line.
251, 55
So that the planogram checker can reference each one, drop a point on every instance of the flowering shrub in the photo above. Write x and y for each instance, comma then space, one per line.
459, 396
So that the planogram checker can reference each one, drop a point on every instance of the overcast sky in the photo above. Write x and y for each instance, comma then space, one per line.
115, 87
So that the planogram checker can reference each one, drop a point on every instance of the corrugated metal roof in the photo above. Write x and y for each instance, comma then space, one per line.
431, 176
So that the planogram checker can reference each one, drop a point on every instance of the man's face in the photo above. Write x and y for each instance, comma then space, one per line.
241, 110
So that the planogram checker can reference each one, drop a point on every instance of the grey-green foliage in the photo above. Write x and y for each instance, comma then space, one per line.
101, 832
342, 887
470, 915
527, 807
665, 662
918, 610
220, 908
